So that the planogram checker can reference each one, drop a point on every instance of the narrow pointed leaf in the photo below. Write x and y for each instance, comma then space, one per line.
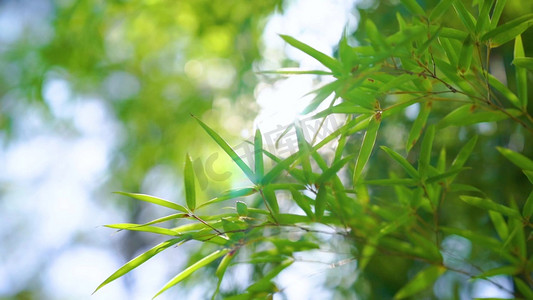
425, 152
137, 261
302, 202
258, 153
439, 10
280, 167
155, 200
242, 208
465, 16
402, 161
504, 90
303, 148
499, 224
320, 202
527, 210
521, 73
488, 204
524, 62
497, 12
231, 194
329, 173
222, 143
143, 228
508, 31
423, 280
271, 199
190, 189
516, 158
418, 125
414, 7
366, 148
524, 288
191, 269
467, 114
329, 62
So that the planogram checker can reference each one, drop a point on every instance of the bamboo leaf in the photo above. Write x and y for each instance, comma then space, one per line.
516, 158
508, 31
423, 280
525, 289
402, 161
496, 14
155, 200
303, 147
329, 62
465, 56
191, 269
343, 108
488, 204
527, 210
466, 115
366, 148
418, 125
222, 143
330, 172
190, 190
465, 16
242, 208
524, 62
139, 260
320, 202
301, 202
499, 224
231, 194
258, 153
425, 152
505, 270
271, 200
221, 270
502, 88
464, 153
283, 165
143, 228
414, 7
439, 10
321, 94
521, 73
289, 71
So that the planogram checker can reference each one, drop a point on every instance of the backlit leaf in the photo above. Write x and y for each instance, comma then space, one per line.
366, 148
516, 158
191, 269
488, 204
423, 280
190, 190
155, 200
521, 73
329, 62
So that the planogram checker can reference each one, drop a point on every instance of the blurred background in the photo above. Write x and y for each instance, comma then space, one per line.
96, 97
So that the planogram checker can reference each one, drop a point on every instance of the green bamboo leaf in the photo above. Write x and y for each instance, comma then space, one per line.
418, 125
524, 288
527, 210
488, 204
483, 22
366, 147
505, 270
414, 7
465, 16
242, 208
321, 94
303, 147
330, 172
329, 62
517, 238
301, 202
343, 108
444, 175
439, 10
191, 269
320, 202
166, 218
139, 260
258, 153
496, 14
529, 175
499, 224
222, 143
265, 282
516, 158
392, 181
465, 56
508, 31
466, 115
280, 167
524, 62
441, 163
425, 152
271, 200
231, 194
423, 280
402, 161
521, 73
143, 228
190, 190
221, 270
155, 200
481, 240
504, 90
464, 153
